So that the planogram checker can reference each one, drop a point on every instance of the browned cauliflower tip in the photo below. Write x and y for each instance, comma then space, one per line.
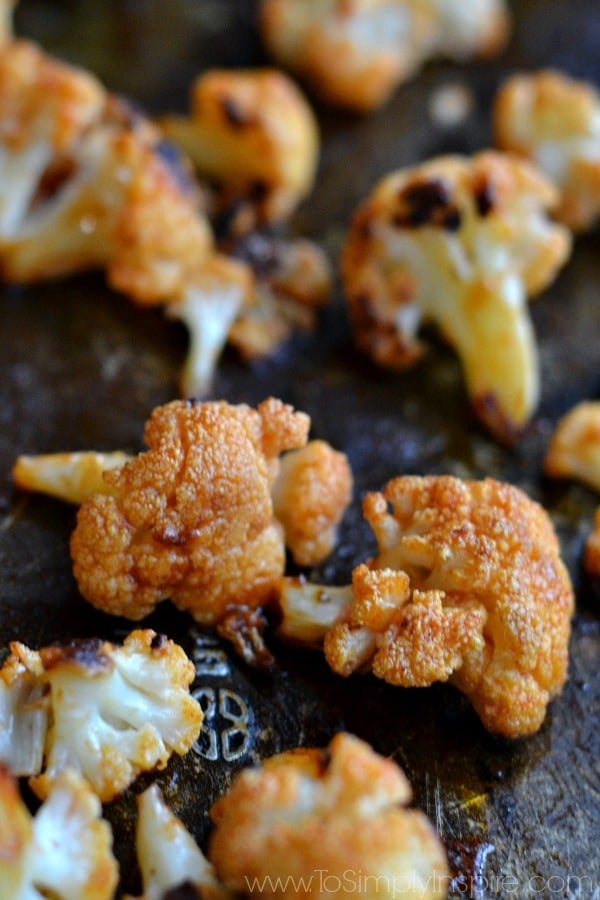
308, 821
486, 601
192, 519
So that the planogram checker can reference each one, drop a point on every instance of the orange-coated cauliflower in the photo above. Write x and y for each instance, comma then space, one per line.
554, 121
322, 823
468, 586
460, 242
310, 496
574, 448
64, 851
253, 135
376, 44
192, 519
105, 711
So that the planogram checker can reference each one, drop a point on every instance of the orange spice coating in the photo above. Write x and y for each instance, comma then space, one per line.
469, 587
338, 811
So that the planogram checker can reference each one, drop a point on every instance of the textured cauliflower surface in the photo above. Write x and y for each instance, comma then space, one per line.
116, 711
192, 518
554, 120
253, 134
376, 44
311, 494
459, 242
574, 447
63, 852
468, 586
308, 813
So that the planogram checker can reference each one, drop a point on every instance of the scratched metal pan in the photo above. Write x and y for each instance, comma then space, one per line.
81, 367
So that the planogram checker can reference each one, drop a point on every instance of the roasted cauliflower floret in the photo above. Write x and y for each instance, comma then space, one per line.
192, 518
204, 516
462, 243
554, 120
468, 586
64, 851
168, 855
311, 494
376, 44
574, 448
253, 135
340, 811
23, 713
115, 712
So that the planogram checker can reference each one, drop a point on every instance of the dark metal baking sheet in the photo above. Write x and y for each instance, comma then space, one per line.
81, 367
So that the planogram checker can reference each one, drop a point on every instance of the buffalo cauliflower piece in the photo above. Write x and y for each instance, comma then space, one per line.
168, 856
376, 44
468, 587
253, 135
310, 496
115, 712
554, 120
338, 812
64, 851
72, 477
23, 712
574, 448
192, 518
461, 242
306, 492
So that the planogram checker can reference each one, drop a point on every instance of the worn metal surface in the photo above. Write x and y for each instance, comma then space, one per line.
81, 367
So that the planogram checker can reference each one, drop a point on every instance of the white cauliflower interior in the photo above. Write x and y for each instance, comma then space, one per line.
63, 852
117, 711
168, 855
23, 713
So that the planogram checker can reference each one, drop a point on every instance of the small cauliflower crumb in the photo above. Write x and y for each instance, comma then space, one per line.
468, 587
338, 811
554, 121
462, 243
64, 851
574, 448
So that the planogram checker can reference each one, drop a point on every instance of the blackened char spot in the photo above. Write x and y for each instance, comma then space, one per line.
184, 891
235, 115
158, 641
427, 203
485, 198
